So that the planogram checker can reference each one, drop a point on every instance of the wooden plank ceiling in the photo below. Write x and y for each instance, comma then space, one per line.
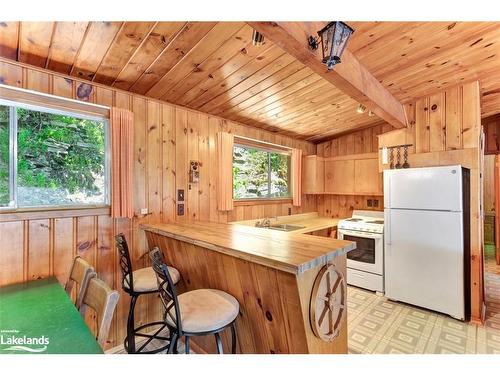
213, 67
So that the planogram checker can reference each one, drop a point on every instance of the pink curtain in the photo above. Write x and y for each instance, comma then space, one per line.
122, 154
225, 143
297, 176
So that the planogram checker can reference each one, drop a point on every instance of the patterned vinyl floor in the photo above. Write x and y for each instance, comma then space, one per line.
377, 325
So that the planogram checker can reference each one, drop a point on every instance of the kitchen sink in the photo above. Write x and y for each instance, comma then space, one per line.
285, 227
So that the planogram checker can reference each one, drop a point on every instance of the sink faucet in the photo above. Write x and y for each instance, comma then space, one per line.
266, 222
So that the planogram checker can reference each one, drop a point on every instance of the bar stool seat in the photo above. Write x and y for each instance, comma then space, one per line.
204, 310
145, 279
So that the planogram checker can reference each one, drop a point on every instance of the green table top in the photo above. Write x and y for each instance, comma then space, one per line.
39, 317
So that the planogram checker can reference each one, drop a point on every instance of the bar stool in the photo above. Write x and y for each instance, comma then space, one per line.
137, 283
199, 312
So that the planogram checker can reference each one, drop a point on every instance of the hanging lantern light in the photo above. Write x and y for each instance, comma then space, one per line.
333, 38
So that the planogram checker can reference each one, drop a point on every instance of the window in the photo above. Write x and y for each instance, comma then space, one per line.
51, 158
260, 174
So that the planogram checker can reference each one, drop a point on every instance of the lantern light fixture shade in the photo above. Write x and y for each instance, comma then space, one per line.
257, 38
333, 39
361, 108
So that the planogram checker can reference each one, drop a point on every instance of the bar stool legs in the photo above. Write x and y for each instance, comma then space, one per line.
130, 326
233, 338
218, 343
133, 331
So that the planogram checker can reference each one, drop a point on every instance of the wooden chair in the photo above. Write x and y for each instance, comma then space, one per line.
136, 283
199, 312
102, 299
81, 273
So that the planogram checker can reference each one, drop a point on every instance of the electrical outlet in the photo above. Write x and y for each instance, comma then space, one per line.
369, 202
180, 195
289, 210
375, 203
144, 211
180, 209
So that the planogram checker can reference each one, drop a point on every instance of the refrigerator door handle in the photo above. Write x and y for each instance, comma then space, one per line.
387, 186
387, 229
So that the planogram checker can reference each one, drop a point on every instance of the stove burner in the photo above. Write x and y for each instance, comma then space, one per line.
376, 222
354, 219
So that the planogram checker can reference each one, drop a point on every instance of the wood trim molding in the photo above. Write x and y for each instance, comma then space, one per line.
257, 202
29, 214
54, 102
368, 155
244, 141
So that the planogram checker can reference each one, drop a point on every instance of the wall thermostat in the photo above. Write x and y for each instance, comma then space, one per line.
194, 172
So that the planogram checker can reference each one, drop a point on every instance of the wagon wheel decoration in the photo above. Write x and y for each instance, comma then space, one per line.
327, 306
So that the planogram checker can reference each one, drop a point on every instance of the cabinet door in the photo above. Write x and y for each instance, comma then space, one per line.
367, 179
313, 174
339, 176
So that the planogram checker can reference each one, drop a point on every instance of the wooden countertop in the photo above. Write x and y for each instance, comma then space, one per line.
310, 221
287, 251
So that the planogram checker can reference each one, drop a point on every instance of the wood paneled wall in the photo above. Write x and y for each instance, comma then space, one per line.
362, 141
167, 137
445, 129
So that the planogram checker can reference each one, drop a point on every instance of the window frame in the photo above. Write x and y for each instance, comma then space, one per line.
13, 204
243, 143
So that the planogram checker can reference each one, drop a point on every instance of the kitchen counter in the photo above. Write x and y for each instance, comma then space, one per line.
292, 252
277, 277
311, 221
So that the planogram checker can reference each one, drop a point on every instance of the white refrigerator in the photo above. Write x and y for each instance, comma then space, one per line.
426, 215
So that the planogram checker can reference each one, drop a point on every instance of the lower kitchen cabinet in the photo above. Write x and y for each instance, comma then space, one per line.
327, 232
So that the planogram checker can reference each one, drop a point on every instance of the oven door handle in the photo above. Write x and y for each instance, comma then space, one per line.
361, 234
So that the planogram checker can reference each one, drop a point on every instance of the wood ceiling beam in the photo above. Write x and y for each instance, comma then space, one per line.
350, 76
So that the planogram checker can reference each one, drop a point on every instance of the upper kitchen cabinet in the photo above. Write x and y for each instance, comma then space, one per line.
339, 176
353, 176
313, 174
367, 179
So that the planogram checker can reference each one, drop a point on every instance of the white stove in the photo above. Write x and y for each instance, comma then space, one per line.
365, 264
363, 223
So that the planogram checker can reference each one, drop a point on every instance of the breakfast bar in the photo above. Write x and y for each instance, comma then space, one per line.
290, 286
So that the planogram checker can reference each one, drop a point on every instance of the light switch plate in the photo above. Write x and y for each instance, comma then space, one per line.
180, 209
180, 195
144, 211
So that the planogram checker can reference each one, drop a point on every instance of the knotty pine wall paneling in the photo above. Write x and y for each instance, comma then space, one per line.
167, 137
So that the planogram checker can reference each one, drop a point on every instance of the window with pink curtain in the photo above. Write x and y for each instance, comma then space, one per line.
122, 151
